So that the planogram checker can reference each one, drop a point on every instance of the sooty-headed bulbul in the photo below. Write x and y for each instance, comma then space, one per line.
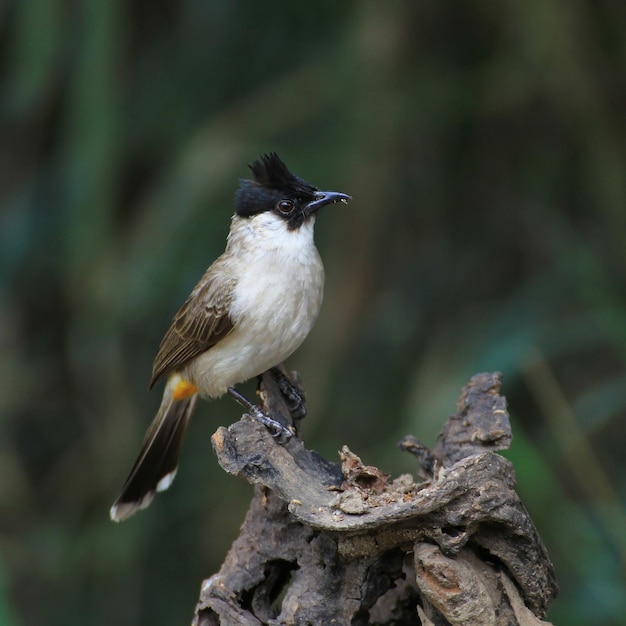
252, 308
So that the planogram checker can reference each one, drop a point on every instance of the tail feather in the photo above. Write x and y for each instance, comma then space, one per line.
155, 467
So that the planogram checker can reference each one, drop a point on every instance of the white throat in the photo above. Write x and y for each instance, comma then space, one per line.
267, 232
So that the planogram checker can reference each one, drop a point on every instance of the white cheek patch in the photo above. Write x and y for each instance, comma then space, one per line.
272, 232
268, 222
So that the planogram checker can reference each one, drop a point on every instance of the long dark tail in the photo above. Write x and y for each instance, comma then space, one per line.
155, 467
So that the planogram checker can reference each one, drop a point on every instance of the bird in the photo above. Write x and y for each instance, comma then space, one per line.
252, 308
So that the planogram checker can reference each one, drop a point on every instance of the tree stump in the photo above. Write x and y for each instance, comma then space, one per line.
342, 543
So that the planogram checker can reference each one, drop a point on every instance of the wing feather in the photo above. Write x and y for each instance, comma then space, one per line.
199, 324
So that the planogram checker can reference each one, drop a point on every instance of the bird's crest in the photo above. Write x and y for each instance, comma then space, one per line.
270, 172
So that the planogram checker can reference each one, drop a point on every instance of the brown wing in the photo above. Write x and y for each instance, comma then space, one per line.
198, 325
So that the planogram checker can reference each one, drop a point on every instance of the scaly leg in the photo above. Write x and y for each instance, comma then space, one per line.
277, 429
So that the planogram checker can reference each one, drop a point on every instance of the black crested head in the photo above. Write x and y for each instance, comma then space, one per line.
276, 189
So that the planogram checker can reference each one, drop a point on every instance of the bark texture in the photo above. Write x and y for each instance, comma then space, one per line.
342, 543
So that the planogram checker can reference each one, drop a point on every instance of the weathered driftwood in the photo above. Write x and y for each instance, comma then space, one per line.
330, 543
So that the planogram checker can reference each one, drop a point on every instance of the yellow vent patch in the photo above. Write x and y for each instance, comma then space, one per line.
184, 389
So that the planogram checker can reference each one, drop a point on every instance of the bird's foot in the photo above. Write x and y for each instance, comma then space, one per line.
278, 430
293, 394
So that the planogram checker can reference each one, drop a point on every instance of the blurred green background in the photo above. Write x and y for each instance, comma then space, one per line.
484, 144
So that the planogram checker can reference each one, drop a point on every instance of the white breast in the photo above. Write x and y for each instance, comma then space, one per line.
280, 281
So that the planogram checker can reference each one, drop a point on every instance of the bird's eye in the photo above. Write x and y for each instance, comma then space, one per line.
285, 206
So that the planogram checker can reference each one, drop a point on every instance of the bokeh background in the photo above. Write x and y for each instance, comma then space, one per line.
484, 146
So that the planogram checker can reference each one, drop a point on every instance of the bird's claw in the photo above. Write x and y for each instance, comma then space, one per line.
292, 394
279, 431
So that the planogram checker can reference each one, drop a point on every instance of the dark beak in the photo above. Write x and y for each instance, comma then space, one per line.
322, 198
